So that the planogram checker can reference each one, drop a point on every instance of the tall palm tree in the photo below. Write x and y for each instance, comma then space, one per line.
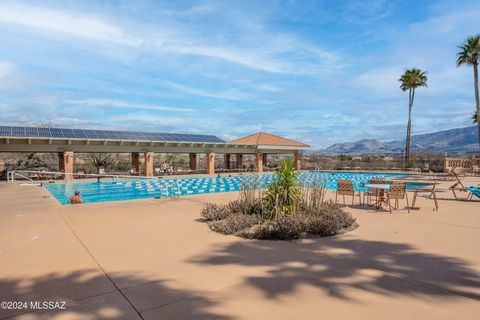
475, 117
470, 54
410, 80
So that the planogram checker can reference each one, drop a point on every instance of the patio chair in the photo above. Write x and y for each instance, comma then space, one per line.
345, 188
458, 186
432, 194
373, 192
397, 191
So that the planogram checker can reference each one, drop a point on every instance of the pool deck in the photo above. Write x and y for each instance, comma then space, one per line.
151, 259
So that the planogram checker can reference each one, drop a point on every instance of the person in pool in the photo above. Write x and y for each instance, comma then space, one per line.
76, 199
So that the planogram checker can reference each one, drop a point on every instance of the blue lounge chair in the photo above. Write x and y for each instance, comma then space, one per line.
474, 191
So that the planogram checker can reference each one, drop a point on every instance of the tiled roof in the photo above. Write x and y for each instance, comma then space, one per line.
262, 138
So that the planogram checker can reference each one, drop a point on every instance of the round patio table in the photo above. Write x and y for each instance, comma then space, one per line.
381, 199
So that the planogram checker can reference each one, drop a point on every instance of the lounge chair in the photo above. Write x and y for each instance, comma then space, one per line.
345, 188
473, 191
397, 191
373, 192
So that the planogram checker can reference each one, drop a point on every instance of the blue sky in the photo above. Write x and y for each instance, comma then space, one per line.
318, 71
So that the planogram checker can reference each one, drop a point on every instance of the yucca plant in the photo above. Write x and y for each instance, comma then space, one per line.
281, 195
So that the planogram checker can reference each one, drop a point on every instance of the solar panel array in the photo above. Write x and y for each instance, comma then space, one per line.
30, 132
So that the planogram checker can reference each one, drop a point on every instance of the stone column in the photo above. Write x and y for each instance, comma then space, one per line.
135, 162
239, 160
210, 163
445, 165
149, 164
193, 161
65, 164
226, 161
297, 164
259, 162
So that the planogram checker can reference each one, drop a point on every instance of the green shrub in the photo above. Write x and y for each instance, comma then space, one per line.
282, 194
233, 223
214, 212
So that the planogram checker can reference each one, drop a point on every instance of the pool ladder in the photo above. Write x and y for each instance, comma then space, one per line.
167, 189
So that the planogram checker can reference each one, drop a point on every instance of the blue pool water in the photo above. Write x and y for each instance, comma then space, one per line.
130, 189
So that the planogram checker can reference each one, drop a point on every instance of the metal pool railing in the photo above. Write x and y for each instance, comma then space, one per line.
25, 175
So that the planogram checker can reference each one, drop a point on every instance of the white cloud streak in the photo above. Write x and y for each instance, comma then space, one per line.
96, 28
109, 103
63, 22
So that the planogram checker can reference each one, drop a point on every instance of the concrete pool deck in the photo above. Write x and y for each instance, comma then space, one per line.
151, 259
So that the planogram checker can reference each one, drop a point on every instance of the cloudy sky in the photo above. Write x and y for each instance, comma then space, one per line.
317, 71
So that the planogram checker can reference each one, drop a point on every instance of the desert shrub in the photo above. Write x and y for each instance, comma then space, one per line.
311, 197
327, 219
233, 223
330, 208
283, 212
214, 212
282, 228
250, 206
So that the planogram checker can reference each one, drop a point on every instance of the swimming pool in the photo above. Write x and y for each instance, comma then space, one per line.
105, 191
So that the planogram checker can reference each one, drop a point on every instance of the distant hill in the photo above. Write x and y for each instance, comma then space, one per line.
453, 141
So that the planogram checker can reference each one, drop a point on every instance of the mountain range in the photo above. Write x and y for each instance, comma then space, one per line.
453, 141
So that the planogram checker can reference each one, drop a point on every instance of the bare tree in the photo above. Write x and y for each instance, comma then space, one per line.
31, 161
100, 160
432, 159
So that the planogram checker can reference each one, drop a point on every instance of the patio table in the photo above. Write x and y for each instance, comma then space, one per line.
381, 199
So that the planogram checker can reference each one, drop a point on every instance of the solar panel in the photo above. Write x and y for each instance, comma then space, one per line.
68, 133
18, 132
113, 135
90, 134
79, 134
5, 131
122, 135
56, 133
44, 132
101, 134
11, 131
31, 132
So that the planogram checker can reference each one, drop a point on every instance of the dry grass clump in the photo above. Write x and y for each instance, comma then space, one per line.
328, 221
234, 223
214, 212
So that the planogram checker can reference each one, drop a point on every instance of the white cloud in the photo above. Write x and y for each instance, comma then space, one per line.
64, 22
228, 95
383, 80
454, 23
260, 55
125, 105
6, 69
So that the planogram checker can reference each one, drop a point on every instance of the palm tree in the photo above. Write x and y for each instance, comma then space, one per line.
411, 79
470, 54
474, 117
